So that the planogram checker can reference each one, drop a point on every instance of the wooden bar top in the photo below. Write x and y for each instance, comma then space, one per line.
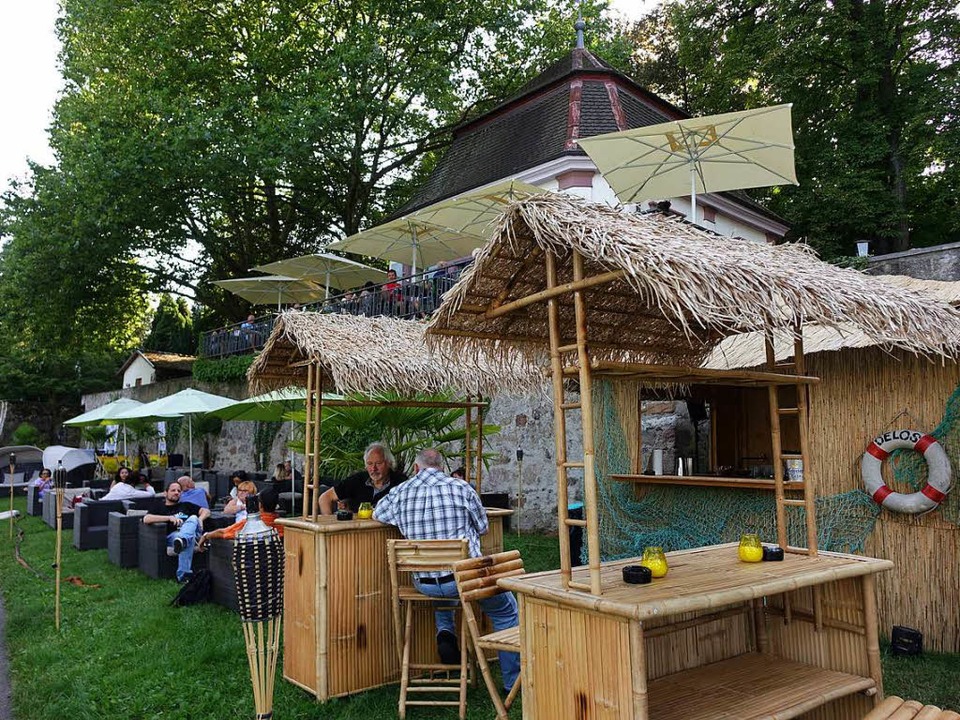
698, 579
330, 524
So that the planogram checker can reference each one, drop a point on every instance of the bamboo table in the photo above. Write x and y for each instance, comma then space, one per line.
338, 624
715, 639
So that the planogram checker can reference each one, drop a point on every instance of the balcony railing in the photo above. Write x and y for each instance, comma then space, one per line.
415, 297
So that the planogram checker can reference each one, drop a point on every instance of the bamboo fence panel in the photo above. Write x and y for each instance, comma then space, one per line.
860, 394
338, 619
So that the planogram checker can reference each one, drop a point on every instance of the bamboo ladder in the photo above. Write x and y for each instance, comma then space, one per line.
795, 365
473, 443
582, 370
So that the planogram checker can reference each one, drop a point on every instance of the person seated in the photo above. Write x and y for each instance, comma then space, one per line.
43, 483
238, 506
187, 522
248, 331
143, 482
123, 487
143, 459
191, 493
280, 474
292, 472
368, 485
237, 477
434, 506
268, 513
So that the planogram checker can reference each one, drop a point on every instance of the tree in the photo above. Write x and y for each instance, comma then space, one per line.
171, 329
259, 130
874, 90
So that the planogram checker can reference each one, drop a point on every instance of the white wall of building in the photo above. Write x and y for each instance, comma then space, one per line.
140, 372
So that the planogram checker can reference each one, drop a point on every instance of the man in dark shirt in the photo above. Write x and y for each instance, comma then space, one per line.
187, 521
367, 485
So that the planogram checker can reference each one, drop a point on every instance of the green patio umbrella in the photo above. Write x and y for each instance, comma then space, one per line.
108, 414
332, 271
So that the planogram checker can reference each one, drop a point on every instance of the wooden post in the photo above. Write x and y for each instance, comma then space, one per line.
59, 483
803, 420
638, 671
12, 467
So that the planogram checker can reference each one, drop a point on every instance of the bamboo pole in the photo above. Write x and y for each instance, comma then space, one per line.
317, 421
479, 446
12, 467
870, 624
559, 420
586, 423
308, 479
803, 422
467, 441
554, 291
774, 404
638, 671
59, 551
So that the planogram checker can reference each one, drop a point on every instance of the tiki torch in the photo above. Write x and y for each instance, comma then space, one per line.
519, 487
13, 465
59, 484
258, 565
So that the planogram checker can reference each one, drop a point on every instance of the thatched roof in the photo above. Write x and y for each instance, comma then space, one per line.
683, 290
748, 351
376, 355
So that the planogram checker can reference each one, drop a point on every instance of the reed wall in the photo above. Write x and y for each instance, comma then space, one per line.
861, 394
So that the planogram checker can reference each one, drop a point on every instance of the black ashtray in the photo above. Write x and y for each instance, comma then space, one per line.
637, 575
344, 515
774, 554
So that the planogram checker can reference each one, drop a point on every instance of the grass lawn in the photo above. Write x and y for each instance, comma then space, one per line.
124, 652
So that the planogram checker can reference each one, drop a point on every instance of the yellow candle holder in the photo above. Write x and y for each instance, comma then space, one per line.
654, 559
365, 511
750, 549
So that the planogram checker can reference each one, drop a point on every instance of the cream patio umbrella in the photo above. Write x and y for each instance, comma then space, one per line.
185, 403
448, 230
267, 289
330, 270
747, 149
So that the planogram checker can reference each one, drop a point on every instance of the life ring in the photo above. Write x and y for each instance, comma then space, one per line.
938, 466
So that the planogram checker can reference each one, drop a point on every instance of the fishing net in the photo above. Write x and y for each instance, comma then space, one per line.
680, 517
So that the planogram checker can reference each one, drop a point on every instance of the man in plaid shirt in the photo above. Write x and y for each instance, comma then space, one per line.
434, 506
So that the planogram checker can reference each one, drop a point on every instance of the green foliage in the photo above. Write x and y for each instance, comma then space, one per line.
875, 105
171, 329
207, 426
406, 430
96, 435
26, 434
229, 369
264, 433
174, 431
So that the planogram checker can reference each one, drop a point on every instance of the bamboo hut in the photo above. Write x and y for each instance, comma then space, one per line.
338, 633
633, 302
863, 391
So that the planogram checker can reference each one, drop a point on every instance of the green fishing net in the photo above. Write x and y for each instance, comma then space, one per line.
680, 517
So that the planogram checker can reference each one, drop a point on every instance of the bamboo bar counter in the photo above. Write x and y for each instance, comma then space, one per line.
338, 634
715, 638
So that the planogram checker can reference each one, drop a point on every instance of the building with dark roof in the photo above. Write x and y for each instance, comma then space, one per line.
532, 137
144, 367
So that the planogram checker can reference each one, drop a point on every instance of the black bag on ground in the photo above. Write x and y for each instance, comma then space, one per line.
196, 590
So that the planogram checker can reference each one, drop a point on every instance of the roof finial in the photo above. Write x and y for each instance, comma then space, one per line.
580, 25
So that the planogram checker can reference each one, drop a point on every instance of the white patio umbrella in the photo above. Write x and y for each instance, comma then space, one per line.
269, 289
106, 415
330, 270
185, 403
448, 230
747, 149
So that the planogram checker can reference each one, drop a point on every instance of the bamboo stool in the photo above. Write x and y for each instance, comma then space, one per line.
476, 580
417, 556
894, 708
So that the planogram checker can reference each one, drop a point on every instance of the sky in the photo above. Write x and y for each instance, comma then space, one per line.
30, 81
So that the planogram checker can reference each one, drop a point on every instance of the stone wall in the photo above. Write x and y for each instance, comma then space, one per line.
941, 262
46, 417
